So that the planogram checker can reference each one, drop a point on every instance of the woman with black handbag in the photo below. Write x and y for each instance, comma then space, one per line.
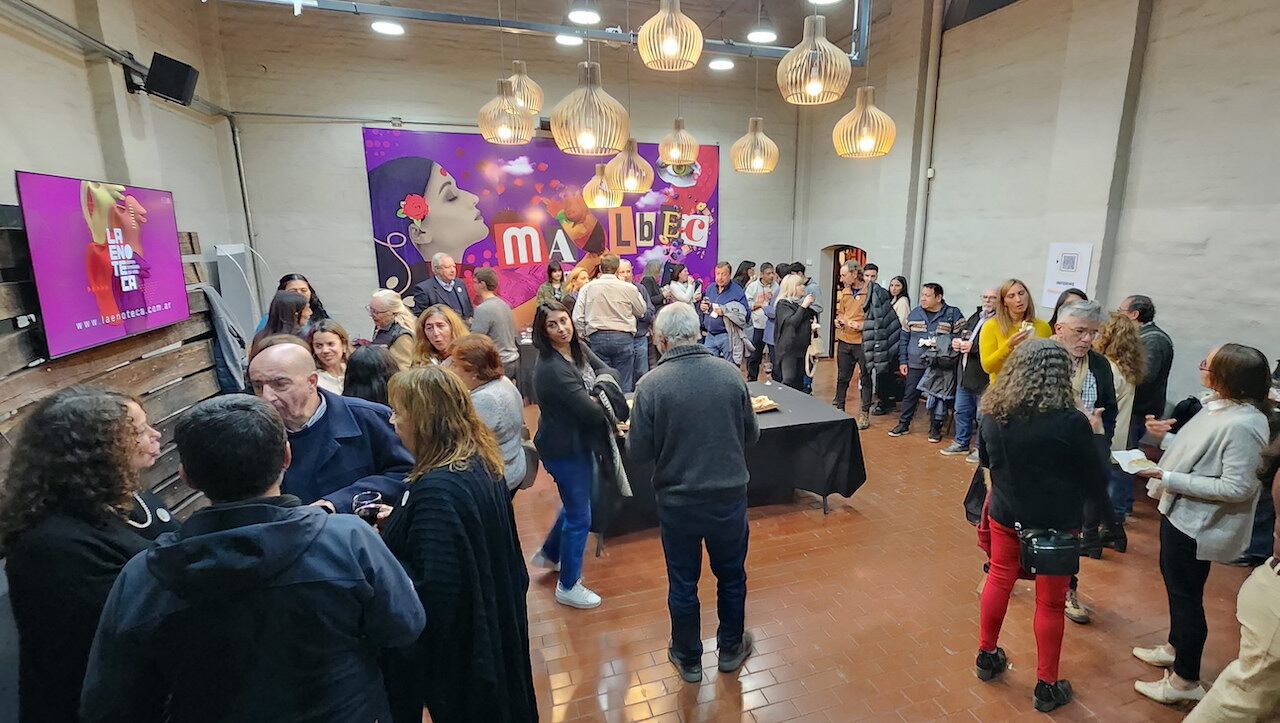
1044, 464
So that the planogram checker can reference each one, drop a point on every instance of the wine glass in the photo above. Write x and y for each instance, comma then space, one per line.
366, 506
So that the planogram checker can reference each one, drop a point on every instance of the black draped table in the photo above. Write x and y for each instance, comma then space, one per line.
804, 444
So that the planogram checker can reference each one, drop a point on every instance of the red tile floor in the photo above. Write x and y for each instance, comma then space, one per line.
868, 613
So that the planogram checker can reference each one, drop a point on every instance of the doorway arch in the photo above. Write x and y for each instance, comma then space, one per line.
833, 257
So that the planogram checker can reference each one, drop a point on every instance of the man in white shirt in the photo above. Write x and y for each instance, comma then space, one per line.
760, 293
605, 315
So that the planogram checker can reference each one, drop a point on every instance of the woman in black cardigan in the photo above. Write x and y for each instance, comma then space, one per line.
566, 371
1044, 465
793, 329
455, 534
71, 515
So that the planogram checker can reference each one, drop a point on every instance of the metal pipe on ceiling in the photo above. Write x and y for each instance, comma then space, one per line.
857, 56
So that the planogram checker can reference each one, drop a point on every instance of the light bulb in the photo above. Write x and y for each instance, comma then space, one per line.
587, 140
584, 16
757, 162
866, 144
601, 200
670, 46
387, 27
519, 102
504, 132
813, 87
630, 183
675, 154
569, 40
761, 36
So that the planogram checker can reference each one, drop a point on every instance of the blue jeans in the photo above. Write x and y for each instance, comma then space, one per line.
567, 540
1120, 489
616, 348
718, 344
1264, 520
640, 356
722, 524
966, 415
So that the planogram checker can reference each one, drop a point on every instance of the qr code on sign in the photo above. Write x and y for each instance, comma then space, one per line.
1068, 262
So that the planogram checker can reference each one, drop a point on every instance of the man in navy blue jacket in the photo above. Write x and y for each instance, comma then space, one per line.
258, 608
929, 326
341, 445
723, 292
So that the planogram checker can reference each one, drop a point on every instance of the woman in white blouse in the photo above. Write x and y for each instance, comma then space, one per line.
331, 348
1208, 488
683, 287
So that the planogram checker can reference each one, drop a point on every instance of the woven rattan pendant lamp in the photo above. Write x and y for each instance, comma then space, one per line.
502, 122
815, 71
527, 92
866, 131
679, 146
628, 172
669, 40
597, 194
589, 121
755, 152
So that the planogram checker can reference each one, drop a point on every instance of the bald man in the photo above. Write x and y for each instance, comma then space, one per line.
341, 445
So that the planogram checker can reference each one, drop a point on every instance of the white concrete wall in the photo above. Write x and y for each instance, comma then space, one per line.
306, 178
1200, 230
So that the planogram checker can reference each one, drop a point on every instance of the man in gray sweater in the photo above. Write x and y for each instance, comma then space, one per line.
495, 320
693, 419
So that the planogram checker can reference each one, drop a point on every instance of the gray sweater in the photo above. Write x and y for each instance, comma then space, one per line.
1210, 485
692, 418
494, 319
499, 406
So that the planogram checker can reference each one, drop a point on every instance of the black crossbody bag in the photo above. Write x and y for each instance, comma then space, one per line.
1044, 551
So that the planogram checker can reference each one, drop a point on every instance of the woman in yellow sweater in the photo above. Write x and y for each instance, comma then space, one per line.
1015, 322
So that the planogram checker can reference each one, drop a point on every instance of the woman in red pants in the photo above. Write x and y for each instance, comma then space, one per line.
1044, 464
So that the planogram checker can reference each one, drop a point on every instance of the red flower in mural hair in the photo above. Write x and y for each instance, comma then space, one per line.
415, 208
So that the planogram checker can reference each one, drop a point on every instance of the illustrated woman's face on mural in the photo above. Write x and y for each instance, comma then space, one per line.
453, 223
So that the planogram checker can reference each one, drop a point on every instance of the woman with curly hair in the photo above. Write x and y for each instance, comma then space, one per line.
1119, 342
438, 327
1044, 465
455, 534
71, 516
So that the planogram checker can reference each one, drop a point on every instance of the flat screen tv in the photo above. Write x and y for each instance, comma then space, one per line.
106, 259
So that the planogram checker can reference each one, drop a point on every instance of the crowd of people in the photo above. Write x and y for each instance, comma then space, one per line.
359, 558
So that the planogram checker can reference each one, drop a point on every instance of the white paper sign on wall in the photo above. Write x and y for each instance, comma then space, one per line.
1067, 267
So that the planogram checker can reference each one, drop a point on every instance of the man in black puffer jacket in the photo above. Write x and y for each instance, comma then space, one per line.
881, 331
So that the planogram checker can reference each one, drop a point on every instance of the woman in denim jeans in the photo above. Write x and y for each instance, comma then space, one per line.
563, 378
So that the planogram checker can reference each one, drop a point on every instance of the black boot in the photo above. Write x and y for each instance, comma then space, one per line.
1114, 536
989, 665
1052, 696
935, 430
1091, 543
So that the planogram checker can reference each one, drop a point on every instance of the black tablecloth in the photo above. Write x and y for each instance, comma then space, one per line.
805, 444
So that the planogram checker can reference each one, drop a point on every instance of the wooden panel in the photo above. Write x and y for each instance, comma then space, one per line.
196, 302
164, 468
18, 349
28, 385
17, 298
172, 491
190, 274
189, 242
13, 249
139, 377
177, 397
193, 503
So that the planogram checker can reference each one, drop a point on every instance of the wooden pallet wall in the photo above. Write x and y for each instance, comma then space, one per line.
169, 369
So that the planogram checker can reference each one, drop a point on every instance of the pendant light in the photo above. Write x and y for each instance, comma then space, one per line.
597, 194
669, 40
763, 31
525, 90
502, 122
755, 152
866, 131
815, 71
589, 121
628, 172
679, 146
583, 12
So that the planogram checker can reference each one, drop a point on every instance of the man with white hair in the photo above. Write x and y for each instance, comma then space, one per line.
693, 420
444, 288
341, 445
1094, 386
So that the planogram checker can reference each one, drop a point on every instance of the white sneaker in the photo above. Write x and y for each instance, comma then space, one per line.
1160, 656
541, 560
1162, 691
579, 597
1075, 610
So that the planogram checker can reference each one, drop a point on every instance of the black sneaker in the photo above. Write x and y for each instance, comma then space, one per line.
879, 411
731, 661
899, 430
1091, 543
935, 430
1053, 696
689, 672
990, 665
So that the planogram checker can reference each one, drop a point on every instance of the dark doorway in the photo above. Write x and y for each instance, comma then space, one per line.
839, 256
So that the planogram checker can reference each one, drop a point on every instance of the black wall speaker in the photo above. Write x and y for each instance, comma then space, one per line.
171, 79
